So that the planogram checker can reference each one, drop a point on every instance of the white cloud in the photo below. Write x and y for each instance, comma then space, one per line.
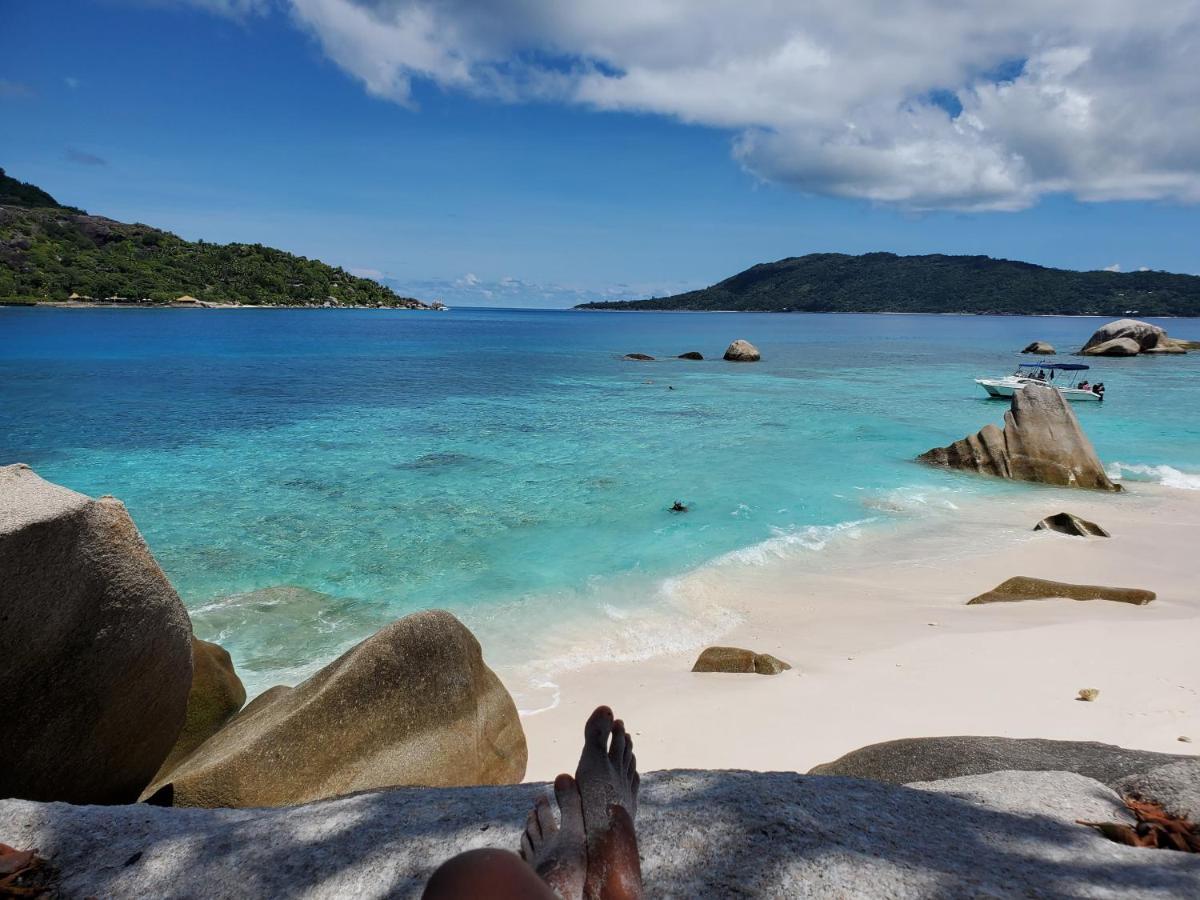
71, 82
471, 290
921, 103
1115, 267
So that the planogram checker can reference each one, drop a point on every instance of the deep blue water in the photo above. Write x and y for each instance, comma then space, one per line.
508, 465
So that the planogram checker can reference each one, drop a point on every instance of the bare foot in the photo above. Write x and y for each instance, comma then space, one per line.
558, 852
608, 783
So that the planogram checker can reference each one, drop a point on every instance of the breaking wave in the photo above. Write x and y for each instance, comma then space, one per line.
1168, 476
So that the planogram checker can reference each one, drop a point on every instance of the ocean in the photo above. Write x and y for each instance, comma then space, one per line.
306, 476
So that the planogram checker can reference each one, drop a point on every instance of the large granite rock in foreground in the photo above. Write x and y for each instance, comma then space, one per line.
1129, 337
1041, 441
95, 647
413, 704
934, 758
702, 834
216, 696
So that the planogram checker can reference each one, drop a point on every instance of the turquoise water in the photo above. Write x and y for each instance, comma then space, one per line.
508, 465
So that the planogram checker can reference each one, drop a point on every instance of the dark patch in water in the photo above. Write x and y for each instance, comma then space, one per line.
439, 461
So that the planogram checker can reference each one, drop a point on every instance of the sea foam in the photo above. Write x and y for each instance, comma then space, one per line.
1168, 476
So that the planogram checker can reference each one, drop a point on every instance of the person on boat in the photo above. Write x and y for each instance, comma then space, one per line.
1083, 385
1041, 375
592, 851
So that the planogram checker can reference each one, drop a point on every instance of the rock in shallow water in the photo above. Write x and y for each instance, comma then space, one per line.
742, 351
413, 704
1041, 348
95, 647
1023, 587
691, 354
1041, 441
701, 834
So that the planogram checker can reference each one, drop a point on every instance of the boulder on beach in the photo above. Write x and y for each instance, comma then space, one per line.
640, 357
95, 647
1129, 337
742, 351
1041, 441
737, 660
1040, 347
1066, 523
414, 704
935, 758
1023, 587
700, 834
216, 696
691, 354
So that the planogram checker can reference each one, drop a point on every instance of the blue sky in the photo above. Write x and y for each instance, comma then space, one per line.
252, 120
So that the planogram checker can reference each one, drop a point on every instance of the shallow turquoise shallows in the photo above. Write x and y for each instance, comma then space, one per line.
509, 465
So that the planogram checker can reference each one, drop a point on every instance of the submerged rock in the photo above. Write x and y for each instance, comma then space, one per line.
934, 758
1041, 441
1066, 523
1129, 337
640, 357
1025, 588
742, 351
413, 704
1041, 348
216, 696
95, 647
737, 660
691, 354
700, 834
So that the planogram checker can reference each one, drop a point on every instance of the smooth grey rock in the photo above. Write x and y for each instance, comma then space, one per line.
742, 351
1115, 347
1147, 337
935, 758
95, 647
701, 834
1041, 441
639, 357
1175, 787
691, 354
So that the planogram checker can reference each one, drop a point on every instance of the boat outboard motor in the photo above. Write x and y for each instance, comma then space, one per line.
1098, 389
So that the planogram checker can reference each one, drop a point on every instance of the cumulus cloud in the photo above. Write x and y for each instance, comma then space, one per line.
920, 103
471, 290
1115, 267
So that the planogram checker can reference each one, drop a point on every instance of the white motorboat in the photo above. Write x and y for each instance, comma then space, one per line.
1063, 377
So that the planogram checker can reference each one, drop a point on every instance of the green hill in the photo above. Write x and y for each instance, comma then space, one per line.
51, 252
885, 282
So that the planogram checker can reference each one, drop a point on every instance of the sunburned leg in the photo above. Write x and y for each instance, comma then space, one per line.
608, 783
486, 875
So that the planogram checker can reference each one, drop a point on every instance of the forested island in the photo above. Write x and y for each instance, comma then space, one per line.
885, 282
51, 252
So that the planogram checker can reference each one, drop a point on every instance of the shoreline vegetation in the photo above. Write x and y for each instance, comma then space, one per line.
933, 283
52, 254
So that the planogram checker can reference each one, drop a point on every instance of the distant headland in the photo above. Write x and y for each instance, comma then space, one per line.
885, 282
51, 253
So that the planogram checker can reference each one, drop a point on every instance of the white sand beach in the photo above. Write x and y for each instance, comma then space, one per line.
884, 647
